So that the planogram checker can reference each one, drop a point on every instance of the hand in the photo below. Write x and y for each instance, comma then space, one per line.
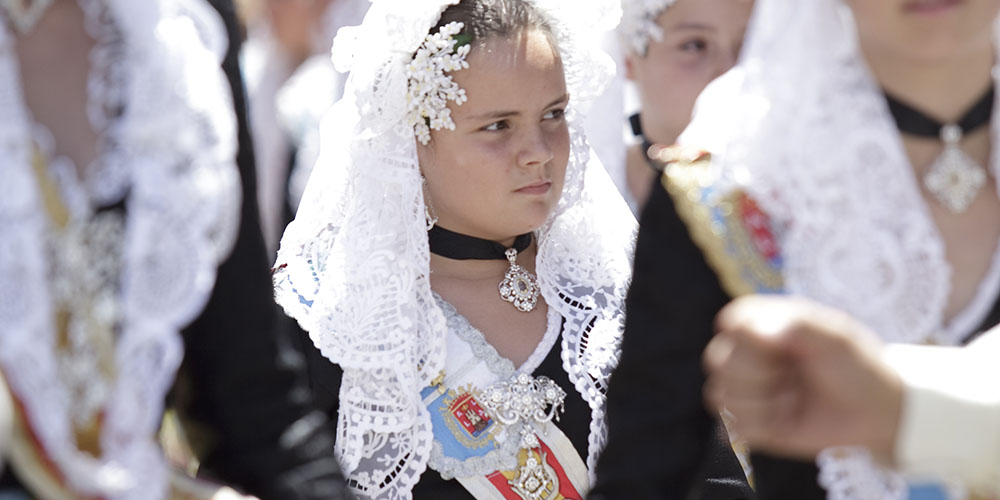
798, 377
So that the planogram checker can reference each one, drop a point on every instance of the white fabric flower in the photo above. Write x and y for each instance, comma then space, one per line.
638, 24
430, 88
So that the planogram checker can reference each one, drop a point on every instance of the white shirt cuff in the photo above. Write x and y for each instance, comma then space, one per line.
950, 425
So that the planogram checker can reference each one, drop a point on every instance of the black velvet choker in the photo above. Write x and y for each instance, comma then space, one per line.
636, 125
463, 247
911, 121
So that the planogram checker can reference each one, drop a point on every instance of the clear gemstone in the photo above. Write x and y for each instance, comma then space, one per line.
955, 179
532, 484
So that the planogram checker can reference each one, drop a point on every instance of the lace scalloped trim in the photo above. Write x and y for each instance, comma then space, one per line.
481, 348
504, 458
849, 474
485, 351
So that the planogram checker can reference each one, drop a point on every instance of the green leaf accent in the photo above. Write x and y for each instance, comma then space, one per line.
461, 39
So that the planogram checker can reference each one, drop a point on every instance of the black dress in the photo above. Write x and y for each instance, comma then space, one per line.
659, 433
241, 388
660, 437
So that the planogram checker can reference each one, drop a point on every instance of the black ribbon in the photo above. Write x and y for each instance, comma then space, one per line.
636, 124
911, 121
463, 247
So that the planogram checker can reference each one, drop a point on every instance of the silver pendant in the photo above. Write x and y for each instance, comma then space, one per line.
25, 14
523, 400
954, 178
519, 287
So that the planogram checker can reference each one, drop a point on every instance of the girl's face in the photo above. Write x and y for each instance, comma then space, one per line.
701, 40
925, 31
500, 173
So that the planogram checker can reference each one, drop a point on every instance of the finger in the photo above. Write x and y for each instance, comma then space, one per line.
741, 361
754, 419
765, 422
717, 352
714, 395
739, 312
727, 387
730, 384
759, 319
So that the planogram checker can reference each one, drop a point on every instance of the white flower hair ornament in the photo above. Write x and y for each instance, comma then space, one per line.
429, 87
638, 24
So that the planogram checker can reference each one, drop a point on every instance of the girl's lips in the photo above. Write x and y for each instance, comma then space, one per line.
537, 188
930, 6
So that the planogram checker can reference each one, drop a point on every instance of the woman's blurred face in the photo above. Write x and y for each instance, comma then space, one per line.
925, 30
295, 23
500, 173
701, 40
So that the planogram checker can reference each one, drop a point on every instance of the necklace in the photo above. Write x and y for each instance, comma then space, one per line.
954, 178
25, 14
519, 287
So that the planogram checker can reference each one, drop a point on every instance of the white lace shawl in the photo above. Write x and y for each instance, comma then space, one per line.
353, 266
801, 123
170, 153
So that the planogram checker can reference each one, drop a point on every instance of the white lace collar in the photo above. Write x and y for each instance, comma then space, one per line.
172, 150
803, 126
499, 365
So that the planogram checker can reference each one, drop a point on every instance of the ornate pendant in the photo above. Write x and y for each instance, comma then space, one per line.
25, 14
519, 287
523, 400
954, 178
535, 479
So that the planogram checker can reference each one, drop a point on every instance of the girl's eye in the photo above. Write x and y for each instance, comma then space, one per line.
496, 126
697, 45
555, 114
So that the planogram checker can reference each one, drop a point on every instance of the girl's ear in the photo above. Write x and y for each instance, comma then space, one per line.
629, 63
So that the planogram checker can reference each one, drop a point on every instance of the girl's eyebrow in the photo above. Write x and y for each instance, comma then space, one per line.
495, 115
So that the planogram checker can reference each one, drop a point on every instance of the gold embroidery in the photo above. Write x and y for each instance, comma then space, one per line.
534, 478
728, 247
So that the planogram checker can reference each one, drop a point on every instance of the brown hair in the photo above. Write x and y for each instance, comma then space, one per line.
485, 19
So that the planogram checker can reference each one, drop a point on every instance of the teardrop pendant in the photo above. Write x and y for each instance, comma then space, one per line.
519, 287
954, 178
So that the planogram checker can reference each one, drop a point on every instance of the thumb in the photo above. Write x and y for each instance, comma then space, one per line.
757, 321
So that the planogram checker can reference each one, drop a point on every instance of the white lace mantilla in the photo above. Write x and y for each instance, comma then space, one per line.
161, 105
353, 266
801, 123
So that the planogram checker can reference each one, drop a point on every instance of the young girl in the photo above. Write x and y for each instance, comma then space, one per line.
459, 258
674, 48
